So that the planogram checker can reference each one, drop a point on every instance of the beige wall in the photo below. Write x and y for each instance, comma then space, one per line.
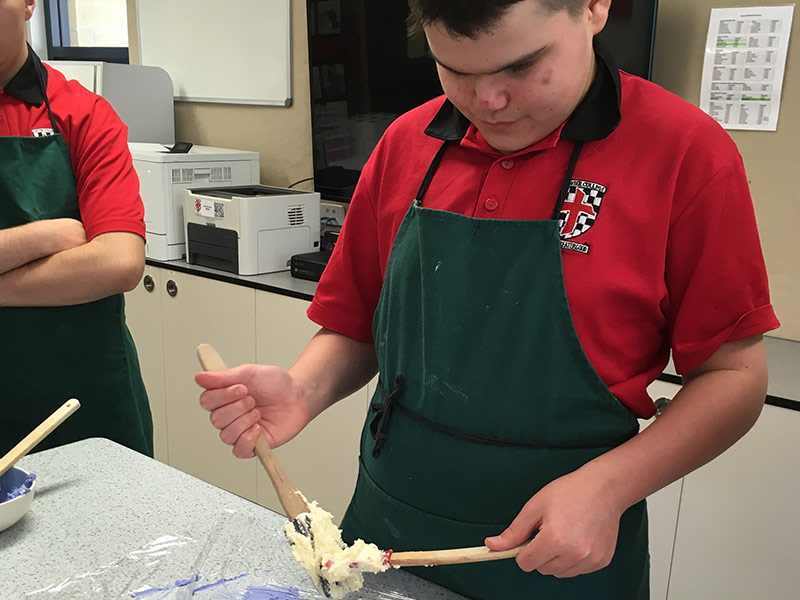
771, 158
283, 136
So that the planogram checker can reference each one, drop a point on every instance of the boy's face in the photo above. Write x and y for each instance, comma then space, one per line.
521, 80
13, 14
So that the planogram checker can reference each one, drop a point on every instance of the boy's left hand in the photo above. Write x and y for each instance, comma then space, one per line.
577, 525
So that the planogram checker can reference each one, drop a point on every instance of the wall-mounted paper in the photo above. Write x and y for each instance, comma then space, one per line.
744, 65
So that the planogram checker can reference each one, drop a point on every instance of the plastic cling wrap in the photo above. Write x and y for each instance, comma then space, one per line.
237, 560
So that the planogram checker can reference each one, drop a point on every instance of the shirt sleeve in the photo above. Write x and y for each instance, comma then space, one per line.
108, 187
347, 294
715, 273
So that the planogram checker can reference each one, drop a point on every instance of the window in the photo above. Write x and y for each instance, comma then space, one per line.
87, 30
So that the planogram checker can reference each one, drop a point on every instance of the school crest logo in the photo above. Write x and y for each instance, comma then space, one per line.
579, 213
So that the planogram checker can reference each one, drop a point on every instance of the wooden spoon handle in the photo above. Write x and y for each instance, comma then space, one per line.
290, 498
29, 442
450, 557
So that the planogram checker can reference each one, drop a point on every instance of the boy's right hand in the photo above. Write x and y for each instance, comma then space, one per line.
249, 400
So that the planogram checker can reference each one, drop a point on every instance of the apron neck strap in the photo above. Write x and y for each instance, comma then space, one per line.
431, 172
41, 76
562, 195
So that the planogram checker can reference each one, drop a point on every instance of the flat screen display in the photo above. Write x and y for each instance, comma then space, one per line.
366, 71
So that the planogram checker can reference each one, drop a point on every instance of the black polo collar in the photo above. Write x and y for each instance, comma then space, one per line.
596, 117
25, 84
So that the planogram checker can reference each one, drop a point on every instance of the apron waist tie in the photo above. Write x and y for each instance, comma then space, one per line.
379, 427
589, 445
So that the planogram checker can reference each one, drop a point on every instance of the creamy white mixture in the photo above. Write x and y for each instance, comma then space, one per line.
328, 557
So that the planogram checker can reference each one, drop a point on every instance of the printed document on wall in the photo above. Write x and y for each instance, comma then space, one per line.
744, 66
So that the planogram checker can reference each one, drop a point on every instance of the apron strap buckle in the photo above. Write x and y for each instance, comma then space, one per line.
379, 427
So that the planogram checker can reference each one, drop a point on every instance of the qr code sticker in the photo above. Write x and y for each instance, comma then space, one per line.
219, 210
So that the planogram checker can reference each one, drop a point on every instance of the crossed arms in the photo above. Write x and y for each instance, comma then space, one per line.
51, 263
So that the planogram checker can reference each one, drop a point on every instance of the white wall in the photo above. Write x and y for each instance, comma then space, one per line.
36, 32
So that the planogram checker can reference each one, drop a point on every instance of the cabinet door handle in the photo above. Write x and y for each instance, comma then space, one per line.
661, 404
172, 288
149, 284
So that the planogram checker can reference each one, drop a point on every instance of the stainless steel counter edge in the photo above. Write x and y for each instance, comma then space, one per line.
783, 356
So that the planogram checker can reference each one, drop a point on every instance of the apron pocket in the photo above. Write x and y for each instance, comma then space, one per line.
429, 469
380, 518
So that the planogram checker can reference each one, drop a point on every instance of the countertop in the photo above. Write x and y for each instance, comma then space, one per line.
783, 356
107, 522
281, 282
783, 362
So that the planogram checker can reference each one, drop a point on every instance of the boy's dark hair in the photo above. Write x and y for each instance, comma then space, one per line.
471, 17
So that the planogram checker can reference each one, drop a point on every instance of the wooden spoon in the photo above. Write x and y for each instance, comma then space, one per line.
432, 558
30, 441
290, 498
293, 503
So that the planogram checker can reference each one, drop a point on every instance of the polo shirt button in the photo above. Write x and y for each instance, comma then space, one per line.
507, 164
491, 203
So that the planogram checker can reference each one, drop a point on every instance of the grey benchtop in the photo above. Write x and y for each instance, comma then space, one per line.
783, 361
281, 282
107, 522
783, 356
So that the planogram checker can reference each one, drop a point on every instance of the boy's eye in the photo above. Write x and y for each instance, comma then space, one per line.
520, 67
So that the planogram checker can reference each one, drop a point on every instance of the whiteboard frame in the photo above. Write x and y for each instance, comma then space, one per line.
287, 102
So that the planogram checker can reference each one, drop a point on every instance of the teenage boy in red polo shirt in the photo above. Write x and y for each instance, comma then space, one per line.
518, 261
71, 242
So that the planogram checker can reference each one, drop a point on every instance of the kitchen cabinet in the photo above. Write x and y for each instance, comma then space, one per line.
738, 527
169, 314
145, 320
322, 460
167, 324
199, 310
662, 511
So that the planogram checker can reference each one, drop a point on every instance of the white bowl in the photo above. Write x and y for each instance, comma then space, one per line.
12, 510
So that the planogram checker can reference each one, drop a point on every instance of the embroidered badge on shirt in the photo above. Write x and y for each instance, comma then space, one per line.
42, 132
579, 213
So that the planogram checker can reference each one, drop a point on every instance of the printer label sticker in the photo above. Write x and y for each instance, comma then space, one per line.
209, 208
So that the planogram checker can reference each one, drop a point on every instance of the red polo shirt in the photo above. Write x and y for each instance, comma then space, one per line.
108, 188
659, 242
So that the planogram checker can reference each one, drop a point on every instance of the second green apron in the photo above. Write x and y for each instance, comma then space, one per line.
51, 354
485, 397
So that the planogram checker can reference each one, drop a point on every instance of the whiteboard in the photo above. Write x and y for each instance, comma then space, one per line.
235, 51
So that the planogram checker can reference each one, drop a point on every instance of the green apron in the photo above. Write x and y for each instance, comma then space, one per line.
51, 354
485, 396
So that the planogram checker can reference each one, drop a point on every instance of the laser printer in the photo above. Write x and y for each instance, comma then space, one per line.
249, 230
163, 177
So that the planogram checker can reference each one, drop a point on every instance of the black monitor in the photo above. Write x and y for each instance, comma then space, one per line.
630, 33
366, 71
